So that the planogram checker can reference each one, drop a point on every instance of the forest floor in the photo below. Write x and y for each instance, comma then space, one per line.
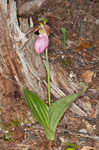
79, 56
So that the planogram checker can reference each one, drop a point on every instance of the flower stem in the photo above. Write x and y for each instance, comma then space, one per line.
48, 75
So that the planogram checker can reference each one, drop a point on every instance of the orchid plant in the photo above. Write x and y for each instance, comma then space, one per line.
47, 115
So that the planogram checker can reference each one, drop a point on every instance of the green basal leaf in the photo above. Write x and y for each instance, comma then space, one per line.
48, 117
57, 110
39, 109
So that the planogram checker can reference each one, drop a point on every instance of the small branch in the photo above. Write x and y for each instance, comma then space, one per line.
78, 134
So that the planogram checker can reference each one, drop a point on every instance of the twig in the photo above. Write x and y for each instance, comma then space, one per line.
79, 134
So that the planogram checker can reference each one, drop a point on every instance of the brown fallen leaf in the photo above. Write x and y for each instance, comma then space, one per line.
83, 46
87, 76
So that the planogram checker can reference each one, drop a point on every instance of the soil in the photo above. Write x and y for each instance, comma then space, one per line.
79, 56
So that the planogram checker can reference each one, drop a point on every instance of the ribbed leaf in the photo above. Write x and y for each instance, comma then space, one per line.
57, 110
39, 109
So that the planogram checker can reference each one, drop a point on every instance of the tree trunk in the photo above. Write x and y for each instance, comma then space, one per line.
20, 66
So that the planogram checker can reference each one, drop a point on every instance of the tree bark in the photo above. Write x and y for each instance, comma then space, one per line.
20, 66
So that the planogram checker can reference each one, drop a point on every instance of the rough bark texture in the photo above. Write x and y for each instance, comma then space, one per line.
20, 66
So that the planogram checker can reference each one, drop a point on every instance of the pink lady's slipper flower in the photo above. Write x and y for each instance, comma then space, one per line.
41, 43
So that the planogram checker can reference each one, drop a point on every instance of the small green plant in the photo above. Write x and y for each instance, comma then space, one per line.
71, 146
47, 115
7, 138
64, 37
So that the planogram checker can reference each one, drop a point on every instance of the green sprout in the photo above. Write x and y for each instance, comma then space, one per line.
64, 36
